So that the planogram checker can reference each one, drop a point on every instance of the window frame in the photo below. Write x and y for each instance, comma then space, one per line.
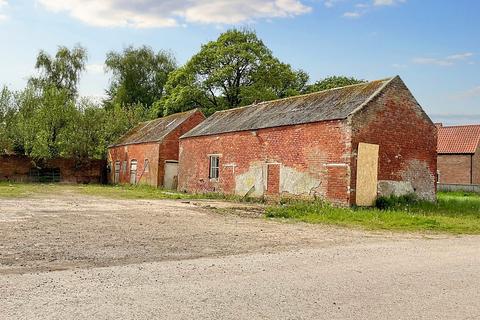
214, 167
146, 166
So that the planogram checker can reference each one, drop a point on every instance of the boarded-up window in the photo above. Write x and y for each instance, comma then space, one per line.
124, 167
214, 167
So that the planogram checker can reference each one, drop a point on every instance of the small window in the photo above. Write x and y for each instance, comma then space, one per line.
214, 167
146, 166
124, 166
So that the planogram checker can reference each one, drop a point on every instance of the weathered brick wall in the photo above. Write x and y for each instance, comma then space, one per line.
138, 152
156, 153
406, 136
313, 161
476, 166
17, 168
454, 168
169, 148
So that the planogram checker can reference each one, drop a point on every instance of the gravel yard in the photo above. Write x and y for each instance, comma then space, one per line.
69, 230
72, 256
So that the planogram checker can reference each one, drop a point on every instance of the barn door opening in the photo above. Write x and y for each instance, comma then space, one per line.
133, 172
273, 178
170, 180
367, 174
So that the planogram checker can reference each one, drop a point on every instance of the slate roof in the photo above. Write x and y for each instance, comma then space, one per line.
324, 105
458, 139
153, 130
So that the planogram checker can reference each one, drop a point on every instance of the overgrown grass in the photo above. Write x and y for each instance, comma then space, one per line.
457, 213
109, 191
148, 192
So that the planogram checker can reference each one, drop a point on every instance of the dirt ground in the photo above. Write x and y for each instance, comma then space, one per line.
68, 230
71, 256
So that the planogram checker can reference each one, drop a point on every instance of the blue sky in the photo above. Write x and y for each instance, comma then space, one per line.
433, 45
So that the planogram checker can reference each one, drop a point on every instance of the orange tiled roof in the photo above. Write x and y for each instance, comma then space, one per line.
458, 139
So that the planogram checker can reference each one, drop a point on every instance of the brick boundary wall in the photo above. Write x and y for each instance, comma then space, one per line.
16, 168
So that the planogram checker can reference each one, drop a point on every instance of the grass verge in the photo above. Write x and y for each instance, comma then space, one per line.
16, 190
457, 213
148, 192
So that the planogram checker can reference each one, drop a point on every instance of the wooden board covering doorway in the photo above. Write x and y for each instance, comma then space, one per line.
367, 174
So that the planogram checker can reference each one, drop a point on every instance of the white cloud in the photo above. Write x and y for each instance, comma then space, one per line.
352, 14
3, 5
330, 3
470, 93
169, 13
460, 56
433, 61
387, 2
399, 65
444, 62
362, 5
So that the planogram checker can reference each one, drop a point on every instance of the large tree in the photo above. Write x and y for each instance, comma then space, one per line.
138, 75
234, 70
61, 71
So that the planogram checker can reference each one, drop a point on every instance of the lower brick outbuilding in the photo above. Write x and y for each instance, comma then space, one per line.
346, 145
148, 153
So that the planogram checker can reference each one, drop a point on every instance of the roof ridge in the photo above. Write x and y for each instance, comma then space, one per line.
460, 126
374, 94
170, 115
308, 94
150, 125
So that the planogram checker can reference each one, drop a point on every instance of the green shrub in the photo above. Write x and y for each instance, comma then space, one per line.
396, 202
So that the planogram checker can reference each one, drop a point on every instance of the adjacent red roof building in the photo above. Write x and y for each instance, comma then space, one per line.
458, 151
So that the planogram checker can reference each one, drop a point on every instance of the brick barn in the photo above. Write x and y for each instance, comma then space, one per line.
344, 145
458, 154
148, 153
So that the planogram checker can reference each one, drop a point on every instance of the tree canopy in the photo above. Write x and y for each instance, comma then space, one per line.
332, 82
234, 70
48, 119
138, 75
61, 71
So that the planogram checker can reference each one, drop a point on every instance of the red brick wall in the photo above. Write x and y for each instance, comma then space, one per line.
169, 147
406, 136
156, 153
138, 152
304, 152
16, 168
476, 166
454, 168
273, 179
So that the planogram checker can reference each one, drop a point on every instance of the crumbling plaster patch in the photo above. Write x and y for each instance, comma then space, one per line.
423, 181
299, 183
